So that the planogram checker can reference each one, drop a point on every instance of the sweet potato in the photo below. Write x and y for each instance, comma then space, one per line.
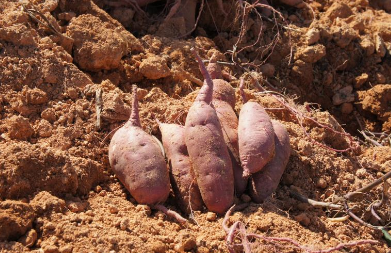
256, 137
137, 160
183, 182
229, 124
224, 102
222, 90
265, 182
207, 149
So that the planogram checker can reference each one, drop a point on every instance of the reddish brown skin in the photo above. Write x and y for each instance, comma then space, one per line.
224, 101
138, 162
223, 91
208, 151
183, 182
265, 182
256, 138
229, 124
214, 69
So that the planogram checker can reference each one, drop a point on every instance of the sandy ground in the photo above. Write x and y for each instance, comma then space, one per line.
65, 84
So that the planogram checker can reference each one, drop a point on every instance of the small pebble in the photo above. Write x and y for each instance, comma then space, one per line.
158, 247
144, 208
380, 78
178, 247
160, 215
350, 177
66, 249
203, 250
98, 189
76, 207
361, 173
50, 249
189, 243
345, 183
113, 209
49, 226
321, 183
210, 216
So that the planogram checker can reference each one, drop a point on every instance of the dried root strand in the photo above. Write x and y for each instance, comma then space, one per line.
238, 228
300, 118
170, 213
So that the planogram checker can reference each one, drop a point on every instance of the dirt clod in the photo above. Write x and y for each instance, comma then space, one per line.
210, 216
87, 54
313, 36
360, 80
19, 128
154, 67
16, 219
29, 238
321, 183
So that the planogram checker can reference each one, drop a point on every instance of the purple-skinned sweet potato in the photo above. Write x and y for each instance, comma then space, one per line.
137, 160
256, 137
183, 182
265, 182
222, 90
229, 124
207, 149
224, 101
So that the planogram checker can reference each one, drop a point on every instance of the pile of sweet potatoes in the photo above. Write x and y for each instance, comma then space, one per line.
214, 157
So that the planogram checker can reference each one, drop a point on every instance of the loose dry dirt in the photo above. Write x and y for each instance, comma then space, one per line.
57, 192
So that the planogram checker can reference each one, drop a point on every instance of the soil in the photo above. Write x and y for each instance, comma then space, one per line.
65, 85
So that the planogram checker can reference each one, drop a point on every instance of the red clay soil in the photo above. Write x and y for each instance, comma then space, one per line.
65, 85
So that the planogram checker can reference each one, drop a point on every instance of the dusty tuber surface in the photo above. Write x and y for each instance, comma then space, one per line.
255, 136
138, 162
207, 149
224, 103
78, 205
266, 181
183, 182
